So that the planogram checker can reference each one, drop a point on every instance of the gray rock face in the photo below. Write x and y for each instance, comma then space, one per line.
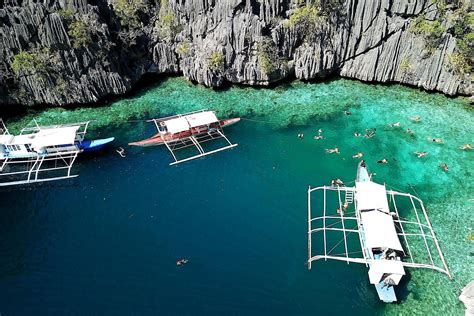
467, 297
211, 42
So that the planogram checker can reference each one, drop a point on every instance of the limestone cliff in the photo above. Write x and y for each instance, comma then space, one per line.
62, 52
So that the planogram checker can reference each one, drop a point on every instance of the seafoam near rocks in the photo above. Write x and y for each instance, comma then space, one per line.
212, 42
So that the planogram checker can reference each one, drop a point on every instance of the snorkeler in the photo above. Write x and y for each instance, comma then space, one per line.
437, 140
337, 182
358, 155
444, 166
420, 154
396, 124
181, 262
121, 152
357, 134
333, 151
346, 112
466, 147
370, 133
410, 132
300, 135
383, 161
415, 118
319, 137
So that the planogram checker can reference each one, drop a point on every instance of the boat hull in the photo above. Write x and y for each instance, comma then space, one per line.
94, 145
160, 139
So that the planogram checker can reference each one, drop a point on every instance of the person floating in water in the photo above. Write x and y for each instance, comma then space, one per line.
357, 134
437, 140
396, 124
383, 161
319, 137
415, 118
337, 182
444, 166
410, 132
358, 155
121, 152
346, 112
300, 135
420, 154
320, 131
466, 147
369, 133
181, 262
333, 151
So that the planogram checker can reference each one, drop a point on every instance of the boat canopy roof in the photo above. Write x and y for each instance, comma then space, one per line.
184, 123
201, 118
177, 125
380, 267
371, 196
47, 137
379, 230
6, 139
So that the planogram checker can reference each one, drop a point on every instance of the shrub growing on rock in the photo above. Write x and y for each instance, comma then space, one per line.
432, 31
66, 14
216, 61
80, 33
128, 11
34, 62
167, 25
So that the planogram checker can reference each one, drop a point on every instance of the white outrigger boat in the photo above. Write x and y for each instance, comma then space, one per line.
363, 224
43, 153
189, 130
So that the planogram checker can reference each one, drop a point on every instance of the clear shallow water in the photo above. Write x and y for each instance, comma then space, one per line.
108, 240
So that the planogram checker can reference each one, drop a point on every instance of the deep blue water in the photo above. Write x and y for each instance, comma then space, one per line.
107, 242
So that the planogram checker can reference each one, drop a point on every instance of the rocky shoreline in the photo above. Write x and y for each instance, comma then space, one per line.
64, 52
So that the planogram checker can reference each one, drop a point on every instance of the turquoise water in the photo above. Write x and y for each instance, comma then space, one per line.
108, 240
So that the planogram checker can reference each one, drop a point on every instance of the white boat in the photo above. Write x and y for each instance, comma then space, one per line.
189, 130
387, 241
43, 153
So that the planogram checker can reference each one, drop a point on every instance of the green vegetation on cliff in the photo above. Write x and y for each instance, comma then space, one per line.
80, 33
33, 62
216, 61
128, 11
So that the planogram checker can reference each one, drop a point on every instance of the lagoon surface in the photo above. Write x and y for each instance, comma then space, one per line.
108, 240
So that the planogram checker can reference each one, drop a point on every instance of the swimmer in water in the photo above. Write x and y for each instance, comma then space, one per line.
466, 147
333, 151
383, 161
300, 135
437, 140
181, 262
396, 124
444, 166
358, 155
415, 118
410, 132
421, 154
319, 137
121, 152
357, 134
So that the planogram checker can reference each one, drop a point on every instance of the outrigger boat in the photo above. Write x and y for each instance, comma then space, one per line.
43, 153
189, 130
390, 238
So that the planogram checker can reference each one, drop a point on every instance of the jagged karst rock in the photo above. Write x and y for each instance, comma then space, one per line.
363, 39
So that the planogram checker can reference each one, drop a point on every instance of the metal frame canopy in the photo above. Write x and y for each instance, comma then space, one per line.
39, 153
333, 228
197, 128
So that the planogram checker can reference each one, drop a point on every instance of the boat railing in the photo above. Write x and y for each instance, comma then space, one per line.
3, 128
414, 231
196, 141
80, 134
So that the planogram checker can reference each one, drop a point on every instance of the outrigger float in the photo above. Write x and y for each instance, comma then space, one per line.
189, 130
367, 226
43, 153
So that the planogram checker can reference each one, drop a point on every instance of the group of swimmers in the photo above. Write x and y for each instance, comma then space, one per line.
369, 133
